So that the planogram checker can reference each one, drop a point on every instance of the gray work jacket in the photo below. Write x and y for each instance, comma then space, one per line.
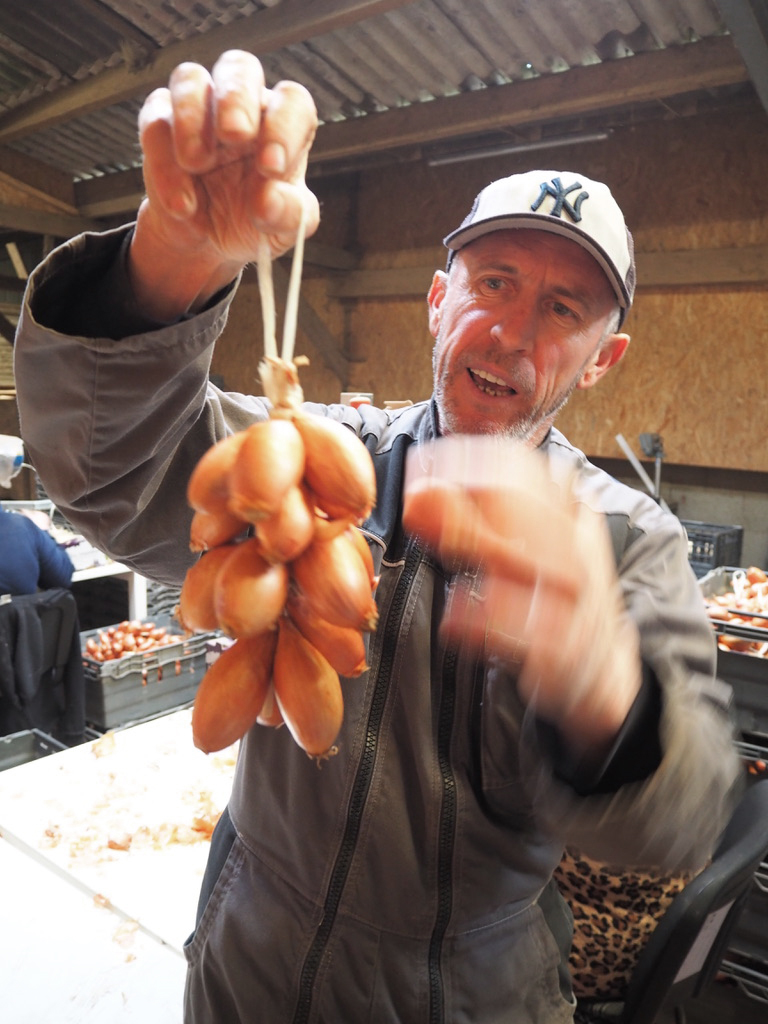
402, 880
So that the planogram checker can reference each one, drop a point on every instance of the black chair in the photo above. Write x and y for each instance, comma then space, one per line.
685, 949
42, 684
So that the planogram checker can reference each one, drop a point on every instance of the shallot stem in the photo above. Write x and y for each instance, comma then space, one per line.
267, 295
294, 284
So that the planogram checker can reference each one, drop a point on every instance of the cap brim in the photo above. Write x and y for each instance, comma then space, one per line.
542, 222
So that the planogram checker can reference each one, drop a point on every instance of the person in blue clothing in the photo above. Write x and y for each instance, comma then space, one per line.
30, 559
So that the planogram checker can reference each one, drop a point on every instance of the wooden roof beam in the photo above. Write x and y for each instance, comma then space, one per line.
44, 222
708, 64
579, 92
749, 34
36, 180
270, 29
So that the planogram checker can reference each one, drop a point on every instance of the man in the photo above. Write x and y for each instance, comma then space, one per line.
409, 878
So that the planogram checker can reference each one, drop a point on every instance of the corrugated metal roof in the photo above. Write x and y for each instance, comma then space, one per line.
408, 54
392, 79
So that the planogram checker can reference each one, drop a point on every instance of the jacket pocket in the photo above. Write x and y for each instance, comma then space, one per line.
509, 788
218, 894
506, 973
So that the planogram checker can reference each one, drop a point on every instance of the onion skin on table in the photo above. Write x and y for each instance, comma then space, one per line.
270, 461
308, 692
249, 592
232, 692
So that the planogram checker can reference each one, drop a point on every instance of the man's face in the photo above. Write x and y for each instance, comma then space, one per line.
523, 318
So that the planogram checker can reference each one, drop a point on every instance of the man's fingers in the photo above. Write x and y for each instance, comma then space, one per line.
452, 522
287, 132
492, 620
549, 601
167, 184
232, 109
239, 96
191, 95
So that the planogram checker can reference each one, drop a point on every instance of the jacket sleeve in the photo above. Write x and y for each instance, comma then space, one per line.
665, 810
115, 424
56, 566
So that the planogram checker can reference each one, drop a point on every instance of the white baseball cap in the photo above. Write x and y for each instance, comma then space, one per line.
566, 204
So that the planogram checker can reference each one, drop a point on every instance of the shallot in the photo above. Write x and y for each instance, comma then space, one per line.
208, 487
232, 692
285, 571
289, 531
270, 462
342, 646
336, 583
196, 610
210, 529
249, 591
308, 692
339, 470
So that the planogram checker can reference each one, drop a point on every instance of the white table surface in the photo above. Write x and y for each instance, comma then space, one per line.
92, 933
63, 958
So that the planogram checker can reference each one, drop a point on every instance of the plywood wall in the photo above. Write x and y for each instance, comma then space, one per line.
696, 369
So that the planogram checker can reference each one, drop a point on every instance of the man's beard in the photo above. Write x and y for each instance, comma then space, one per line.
524, 429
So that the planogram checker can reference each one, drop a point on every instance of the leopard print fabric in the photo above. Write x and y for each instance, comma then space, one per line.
614, 913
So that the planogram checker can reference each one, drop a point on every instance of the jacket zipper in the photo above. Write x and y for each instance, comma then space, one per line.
359, 793
447, 835
458, 590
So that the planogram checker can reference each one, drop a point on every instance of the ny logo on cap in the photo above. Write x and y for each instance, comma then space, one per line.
559, 194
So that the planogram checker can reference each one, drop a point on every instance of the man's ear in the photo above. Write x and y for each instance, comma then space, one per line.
435, 297
609, 353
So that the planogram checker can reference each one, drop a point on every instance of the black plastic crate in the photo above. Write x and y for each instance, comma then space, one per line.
748, 678
711, 545
746, 673
100, 601
142, 684
20, 747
